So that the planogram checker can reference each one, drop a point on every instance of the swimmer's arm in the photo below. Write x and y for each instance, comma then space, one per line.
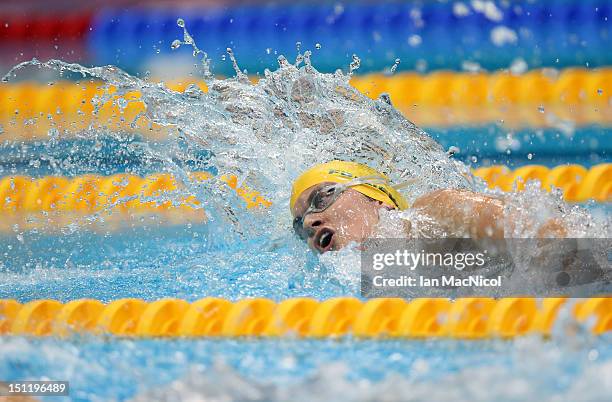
476, 215
465, 212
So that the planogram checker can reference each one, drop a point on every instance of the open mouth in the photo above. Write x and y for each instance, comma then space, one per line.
323, 240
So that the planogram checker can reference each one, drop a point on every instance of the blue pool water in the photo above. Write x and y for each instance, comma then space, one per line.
186, 262
477, 146
98, 369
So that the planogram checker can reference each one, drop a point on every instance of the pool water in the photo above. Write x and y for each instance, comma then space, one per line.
567, 368
256, 131
185, 262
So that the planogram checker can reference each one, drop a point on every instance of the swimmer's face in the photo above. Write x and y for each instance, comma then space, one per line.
352, 217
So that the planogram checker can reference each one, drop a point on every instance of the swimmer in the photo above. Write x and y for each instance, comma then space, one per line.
338, 202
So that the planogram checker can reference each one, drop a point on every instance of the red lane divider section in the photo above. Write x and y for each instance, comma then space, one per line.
15, 27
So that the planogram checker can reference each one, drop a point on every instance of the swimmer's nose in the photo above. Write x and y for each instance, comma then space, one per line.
311, 222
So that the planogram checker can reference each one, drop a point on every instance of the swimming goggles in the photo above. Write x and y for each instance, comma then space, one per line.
322, 198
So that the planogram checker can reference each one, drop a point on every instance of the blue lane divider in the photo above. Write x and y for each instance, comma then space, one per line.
429, 36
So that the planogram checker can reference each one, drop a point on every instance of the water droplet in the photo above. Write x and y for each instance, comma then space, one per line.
122, 103
53, 132
415, 40
530, 156
317, 46
384, 97
518, 66
452, 150
354, 66
180, 22
268, 50
471, 66
395, 65
175, 44
421, 66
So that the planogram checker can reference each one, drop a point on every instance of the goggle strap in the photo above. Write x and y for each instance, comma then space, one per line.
405, 183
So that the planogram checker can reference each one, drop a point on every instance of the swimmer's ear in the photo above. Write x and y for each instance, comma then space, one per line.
375, 201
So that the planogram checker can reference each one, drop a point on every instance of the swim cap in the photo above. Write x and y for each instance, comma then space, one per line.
342, 172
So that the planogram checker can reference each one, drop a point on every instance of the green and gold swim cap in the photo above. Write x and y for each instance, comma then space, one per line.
341, 172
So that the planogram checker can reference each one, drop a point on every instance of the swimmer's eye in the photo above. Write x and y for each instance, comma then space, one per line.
323, 198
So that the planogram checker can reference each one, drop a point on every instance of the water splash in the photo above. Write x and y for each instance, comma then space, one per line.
188, 40
294, 117
239, 74
269, 132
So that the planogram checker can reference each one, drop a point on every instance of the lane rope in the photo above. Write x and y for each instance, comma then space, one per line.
121, 192
466, 318
126, 193
540, 98
577, 182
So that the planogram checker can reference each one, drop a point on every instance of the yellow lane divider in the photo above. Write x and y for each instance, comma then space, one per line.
120, 192
572, 86
30, 110
467, 318
578, 183
129, 193
538, 98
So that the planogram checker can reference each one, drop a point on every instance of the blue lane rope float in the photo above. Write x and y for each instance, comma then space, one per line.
441, 35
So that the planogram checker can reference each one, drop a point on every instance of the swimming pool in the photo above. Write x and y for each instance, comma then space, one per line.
133, 144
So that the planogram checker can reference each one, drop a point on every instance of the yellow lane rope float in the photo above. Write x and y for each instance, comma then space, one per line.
28, 110
577, 182
466, 318
130, 193
538, 98
121, 192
